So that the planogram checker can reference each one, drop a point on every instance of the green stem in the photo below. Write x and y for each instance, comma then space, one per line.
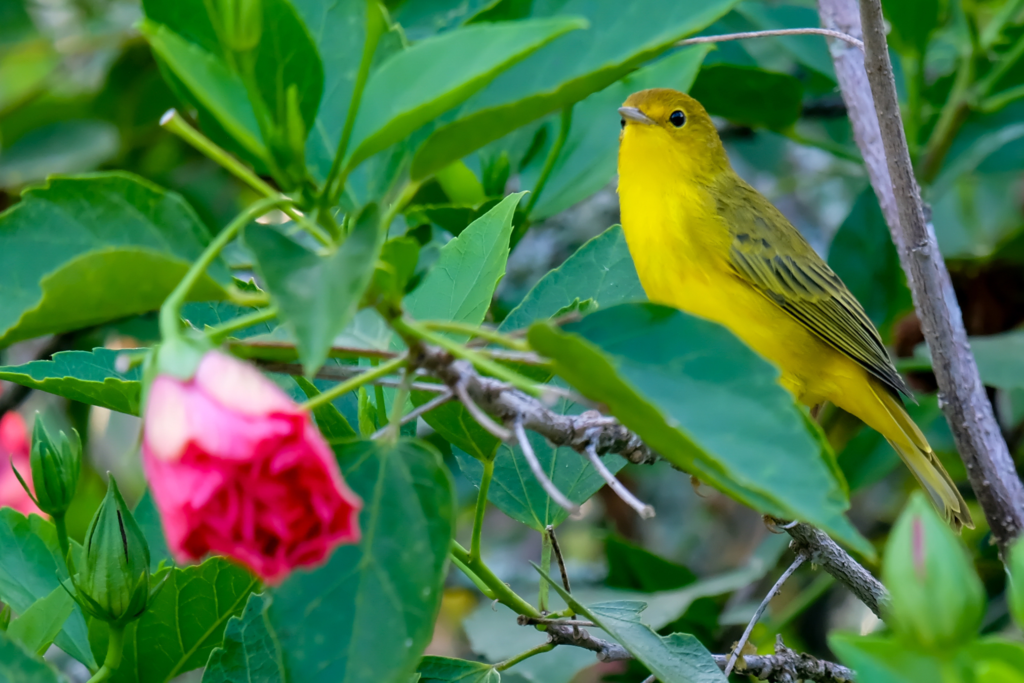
411, 328
1001, 99
407, 194
545, 567
512, 661
995, 28
502, 593
115, 648
223, 331
481, 508
477, 581
335, 182
474, 331
398, 406
913, 67
378, 393
246, 299
170, 319
174, 122
62, 535
952, 117
565, 124
354, 383
985, 86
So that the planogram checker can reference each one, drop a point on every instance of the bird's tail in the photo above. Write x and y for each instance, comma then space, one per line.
913, 448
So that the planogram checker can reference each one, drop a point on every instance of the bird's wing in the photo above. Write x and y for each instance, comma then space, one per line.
774, 258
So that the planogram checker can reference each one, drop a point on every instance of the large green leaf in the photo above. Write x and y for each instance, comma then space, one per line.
684, 385
445, 669
318, 296
148, 518
749, 96
31, 568
90, 377
621, 37
863, 255
418, 84
188, 18
183, 624
601, 269
885, 660
128, 239
588, 159
18, 666
460, 285
210, 81
367, 615
250, 651
676, 658
37, 628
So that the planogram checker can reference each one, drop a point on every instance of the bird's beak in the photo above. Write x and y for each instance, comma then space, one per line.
634, 114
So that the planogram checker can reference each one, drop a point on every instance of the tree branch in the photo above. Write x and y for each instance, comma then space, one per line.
825, 553
785, 666
870, 94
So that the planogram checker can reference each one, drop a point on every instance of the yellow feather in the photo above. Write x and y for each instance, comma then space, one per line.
705, 242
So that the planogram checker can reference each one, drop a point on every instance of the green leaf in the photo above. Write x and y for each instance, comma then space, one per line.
455, 425
683, 385
885, 660
183, 624
971, 158
205, 314
287, 56
250, 652
91, 377
61, 148
18, 666
460, 285
810, 51
37, 628
588, 160
332, 424
516, 492
148, 519
677, 658
31, 568
748, 96
633, 567
621, 37
601, 269
368, 613
440, 669
131, 241
419, 84
188, 18
427, 17
210, 81
318, 296
863, 256
913, 22
340, 30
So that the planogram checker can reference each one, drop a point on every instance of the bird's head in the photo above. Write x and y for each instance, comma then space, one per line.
669, 127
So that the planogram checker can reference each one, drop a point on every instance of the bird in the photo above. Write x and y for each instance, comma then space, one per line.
706, 242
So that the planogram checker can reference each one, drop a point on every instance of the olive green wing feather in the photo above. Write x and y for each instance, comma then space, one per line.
774, 258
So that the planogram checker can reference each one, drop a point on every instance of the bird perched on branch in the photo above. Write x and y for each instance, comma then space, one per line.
706, 242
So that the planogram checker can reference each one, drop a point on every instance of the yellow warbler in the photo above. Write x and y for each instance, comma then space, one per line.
706, 242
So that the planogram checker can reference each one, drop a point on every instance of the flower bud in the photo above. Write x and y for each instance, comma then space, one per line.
55, 467
242, 22
113, 584
937, 600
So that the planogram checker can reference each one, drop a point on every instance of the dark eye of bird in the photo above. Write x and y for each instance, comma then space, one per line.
677, 118
622, 122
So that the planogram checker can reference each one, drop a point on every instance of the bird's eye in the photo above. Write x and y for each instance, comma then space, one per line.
622, 122
677, 118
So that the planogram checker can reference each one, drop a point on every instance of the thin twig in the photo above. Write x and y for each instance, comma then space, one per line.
558, 556
524, 620
438, 400
773, 33
643, 509
479, 415
538, 472
800, 558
